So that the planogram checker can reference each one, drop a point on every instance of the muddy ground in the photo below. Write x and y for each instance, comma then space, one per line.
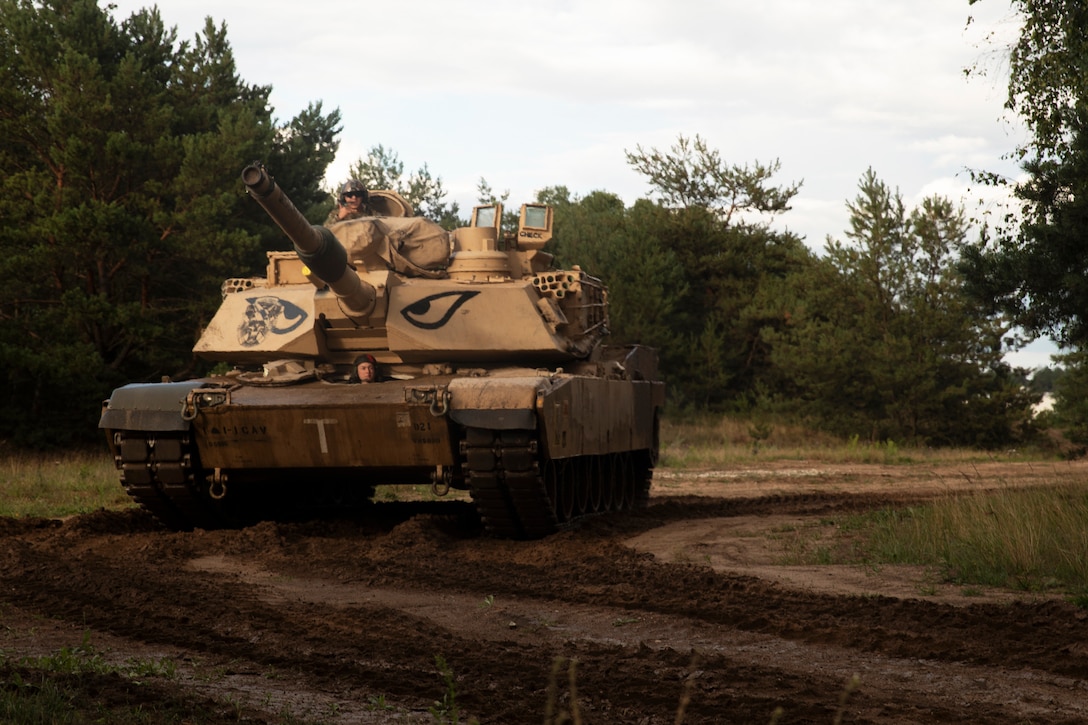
691, 609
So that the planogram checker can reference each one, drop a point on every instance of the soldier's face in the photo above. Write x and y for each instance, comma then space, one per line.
352, 200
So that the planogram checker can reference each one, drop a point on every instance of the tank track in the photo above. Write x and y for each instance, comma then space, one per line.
157, 471
520, 494
162, 473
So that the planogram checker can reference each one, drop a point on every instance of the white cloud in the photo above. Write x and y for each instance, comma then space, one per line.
532, 94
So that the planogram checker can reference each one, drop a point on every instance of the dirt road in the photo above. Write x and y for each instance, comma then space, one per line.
682, 611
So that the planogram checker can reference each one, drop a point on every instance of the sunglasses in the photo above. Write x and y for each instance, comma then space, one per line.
353, 195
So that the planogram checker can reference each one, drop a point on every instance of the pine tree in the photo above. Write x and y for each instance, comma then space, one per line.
121, 209
886, 344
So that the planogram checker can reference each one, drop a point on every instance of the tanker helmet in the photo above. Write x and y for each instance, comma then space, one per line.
364, 358
356, 186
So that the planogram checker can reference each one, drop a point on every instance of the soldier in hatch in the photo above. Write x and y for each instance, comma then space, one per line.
353, 202
365, 370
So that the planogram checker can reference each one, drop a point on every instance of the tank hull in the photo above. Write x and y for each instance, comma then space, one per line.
537, 450
322, 425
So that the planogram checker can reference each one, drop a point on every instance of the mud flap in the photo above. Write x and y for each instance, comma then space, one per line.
148, 406
495, 403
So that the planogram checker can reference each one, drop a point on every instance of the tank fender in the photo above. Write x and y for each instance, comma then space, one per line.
507, 403
597, 416
148, 406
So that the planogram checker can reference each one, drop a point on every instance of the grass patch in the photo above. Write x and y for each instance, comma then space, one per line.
85, 658
719, 441
1028, 539
79, 684
55, 485
59, 484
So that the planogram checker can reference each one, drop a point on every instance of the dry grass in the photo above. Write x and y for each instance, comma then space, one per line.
715, 442
1031, 539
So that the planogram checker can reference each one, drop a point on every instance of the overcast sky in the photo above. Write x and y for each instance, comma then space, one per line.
536, 94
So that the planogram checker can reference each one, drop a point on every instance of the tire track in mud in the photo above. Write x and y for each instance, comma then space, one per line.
358, 610
719, 649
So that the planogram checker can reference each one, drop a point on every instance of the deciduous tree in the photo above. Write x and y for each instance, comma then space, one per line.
1034, 264
715, 221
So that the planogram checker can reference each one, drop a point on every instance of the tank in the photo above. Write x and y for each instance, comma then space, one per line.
493, 378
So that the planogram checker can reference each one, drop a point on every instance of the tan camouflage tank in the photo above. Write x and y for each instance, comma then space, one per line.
493, 378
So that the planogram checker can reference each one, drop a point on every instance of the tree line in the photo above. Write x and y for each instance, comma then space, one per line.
121, 214
876, 337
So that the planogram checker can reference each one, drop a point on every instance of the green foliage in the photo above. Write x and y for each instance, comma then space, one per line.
694, 276
30, 701
1032, 265
486, 195
1044, 380
1047, 81
884, 341
1033, 269
878, 338
692, 175
120, 204
383, 169
446, 710
86, 658
1030, 539
1071, 397
301, 151
644, 278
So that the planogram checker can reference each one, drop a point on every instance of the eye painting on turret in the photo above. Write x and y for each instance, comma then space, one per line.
434, 311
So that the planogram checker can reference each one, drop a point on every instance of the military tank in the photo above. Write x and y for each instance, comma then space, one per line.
493, 377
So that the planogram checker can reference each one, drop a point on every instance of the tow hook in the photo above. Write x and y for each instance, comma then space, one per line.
440, 481
218, 488
437, 399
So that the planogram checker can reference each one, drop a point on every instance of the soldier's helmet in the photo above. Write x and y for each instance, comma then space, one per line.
353, 185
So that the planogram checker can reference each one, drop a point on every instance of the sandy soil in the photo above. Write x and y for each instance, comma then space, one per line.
688, 610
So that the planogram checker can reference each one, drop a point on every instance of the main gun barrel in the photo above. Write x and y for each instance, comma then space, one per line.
317, 247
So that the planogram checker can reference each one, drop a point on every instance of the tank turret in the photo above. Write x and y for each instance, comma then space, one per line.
493, 377
407, 291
